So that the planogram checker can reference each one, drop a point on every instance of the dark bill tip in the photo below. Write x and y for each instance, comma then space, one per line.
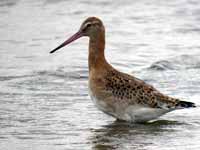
71, 39
56, 48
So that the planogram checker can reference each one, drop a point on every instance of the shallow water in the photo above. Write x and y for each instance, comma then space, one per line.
44, 102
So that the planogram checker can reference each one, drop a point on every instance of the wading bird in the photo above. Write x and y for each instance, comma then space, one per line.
118, 94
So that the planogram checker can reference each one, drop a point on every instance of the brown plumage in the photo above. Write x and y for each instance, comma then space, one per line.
118, 94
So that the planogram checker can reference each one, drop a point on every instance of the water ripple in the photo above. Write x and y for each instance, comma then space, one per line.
176, 63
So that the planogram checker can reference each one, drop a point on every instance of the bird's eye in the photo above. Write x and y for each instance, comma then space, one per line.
88, 25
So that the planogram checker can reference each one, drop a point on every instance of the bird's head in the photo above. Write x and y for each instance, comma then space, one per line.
91, 27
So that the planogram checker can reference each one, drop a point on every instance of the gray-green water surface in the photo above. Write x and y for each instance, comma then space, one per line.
44, 102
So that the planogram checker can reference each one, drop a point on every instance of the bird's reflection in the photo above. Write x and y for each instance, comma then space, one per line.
123, 135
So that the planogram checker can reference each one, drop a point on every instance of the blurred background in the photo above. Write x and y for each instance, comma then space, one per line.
44, 102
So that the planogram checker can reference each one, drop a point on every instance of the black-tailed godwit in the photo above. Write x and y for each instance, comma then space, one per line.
118, 94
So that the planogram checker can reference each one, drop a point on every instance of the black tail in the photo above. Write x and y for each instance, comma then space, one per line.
184, 104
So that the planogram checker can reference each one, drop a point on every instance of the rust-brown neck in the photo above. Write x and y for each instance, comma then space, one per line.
96, 51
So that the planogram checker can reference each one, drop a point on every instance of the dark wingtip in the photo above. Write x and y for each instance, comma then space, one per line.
185, 104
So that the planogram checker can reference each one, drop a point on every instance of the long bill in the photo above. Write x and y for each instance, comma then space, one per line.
71, 39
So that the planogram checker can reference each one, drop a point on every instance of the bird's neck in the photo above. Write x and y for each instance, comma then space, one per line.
96, 58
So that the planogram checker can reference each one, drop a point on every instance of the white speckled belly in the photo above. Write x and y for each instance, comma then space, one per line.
138, 113
101, 105
132, 113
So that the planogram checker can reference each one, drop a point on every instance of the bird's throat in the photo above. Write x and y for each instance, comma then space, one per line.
96, 51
